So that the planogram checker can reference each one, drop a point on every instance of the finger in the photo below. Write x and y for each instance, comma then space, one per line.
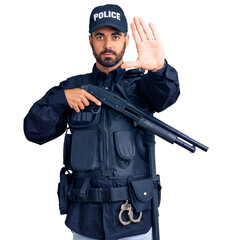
154, 31
85, 101
130, 64
76, 108
92, 98
135, 33
80, 105
139, 29
146, 29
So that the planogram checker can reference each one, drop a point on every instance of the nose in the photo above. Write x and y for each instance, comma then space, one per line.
108, 43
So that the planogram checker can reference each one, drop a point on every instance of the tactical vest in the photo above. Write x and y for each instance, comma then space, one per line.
102, 143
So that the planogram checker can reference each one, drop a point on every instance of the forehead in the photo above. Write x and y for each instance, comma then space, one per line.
107, 30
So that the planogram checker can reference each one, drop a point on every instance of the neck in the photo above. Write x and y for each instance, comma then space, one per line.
107, 69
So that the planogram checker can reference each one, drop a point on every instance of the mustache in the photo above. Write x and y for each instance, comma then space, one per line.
108, 51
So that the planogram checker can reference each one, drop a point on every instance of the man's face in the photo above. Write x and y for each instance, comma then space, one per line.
108, 45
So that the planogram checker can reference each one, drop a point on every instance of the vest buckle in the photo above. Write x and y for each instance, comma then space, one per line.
103, 194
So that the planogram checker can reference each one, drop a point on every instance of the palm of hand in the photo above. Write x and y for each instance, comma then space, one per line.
150, 54
149, 47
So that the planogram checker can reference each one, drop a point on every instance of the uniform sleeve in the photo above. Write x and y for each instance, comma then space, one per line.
160, 88
47, 118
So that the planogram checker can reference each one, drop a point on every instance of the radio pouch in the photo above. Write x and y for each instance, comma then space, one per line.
141, 193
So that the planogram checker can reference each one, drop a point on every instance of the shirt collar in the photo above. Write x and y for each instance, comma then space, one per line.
97, 74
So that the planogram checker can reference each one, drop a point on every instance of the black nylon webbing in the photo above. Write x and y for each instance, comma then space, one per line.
77, 81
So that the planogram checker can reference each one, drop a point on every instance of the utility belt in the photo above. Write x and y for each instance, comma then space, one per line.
99, 195
139, 192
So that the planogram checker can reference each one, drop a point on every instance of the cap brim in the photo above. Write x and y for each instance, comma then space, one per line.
117, 26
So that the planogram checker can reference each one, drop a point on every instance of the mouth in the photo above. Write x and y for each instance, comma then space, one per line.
108, 54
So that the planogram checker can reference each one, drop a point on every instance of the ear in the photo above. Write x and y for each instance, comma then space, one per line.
90, 40
127, 40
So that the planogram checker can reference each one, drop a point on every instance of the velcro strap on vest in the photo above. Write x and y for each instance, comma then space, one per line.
101, 195
83, 192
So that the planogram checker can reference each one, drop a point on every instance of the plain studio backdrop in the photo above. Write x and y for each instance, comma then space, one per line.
45, 42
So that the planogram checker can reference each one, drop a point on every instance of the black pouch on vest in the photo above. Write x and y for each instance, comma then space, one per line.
63, 186
88, 117
84, 150
125, 147
67, 149
141, 193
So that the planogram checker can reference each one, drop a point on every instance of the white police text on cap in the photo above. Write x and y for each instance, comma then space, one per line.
106, 14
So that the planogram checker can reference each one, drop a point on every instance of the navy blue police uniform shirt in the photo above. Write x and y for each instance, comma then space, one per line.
47, 119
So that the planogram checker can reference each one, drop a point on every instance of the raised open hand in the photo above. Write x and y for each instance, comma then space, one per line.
149, 47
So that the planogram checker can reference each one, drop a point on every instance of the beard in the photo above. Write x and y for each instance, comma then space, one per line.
109, 61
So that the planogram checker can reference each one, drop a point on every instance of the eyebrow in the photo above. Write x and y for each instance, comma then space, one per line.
116, 33
99, 34
113, 34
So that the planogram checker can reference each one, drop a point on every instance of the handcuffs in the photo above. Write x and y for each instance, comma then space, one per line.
127, 207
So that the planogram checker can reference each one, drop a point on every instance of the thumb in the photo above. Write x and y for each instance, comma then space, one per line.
130, 64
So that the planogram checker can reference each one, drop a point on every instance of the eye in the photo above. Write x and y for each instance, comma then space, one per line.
116, 37
100, 38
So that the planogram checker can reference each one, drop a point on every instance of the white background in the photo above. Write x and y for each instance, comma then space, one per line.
44, 42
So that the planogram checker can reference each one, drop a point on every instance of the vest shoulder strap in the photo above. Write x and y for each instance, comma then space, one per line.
77, 81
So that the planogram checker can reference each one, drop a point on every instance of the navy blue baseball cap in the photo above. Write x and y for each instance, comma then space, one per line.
108, 15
